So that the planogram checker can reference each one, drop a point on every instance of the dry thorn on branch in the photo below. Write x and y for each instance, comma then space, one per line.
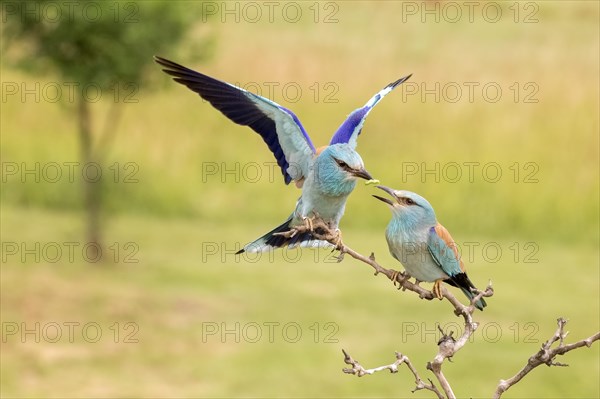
360, 371
546, 355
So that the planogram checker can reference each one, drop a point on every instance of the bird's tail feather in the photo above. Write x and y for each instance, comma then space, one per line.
464, 283
480, 304
272, 241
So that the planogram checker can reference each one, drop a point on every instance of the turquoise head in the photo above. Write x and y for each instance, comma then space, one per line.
337, 169
409, 209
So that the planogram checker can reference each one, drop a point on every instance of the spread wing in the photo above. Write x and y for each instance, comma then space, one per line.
349, 130
279, 127
443, 249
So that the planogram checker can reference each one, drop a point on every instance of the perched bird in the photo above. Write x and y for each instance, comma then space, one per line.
423, 246
326, 175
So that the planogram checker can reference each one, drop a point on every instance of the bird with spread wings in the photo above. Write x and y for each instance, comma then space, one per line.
326, 175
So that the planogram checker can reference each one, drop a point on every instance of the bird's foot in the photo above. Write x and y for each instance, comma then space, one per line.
437, 289
308, 223
339, 245
287, 234
394, 277
398, 277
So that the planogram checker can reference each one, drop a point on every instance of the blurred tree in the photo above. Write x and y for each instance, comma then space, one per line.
105, 45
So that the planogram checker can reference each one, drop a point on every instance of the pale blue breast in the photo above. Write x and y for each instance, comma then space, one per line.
325, 193
330, 209
410, 249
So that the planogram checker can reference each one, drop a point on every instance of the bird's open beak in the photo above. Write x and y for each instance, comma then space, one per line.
362, 173
386, 200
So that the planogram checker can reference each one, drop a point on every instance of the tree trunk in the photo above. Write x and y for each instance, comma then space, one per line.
91, 173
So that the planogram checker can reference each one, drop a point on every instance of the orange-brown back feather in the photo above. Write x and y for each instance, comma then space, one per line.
444, 234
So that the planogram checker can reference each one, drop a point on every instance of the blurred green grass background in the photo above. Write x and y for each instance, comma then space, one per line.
175, 214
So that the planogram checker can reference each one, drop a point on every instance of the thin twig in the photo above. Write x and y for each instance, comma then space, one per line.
546, 355
360, 371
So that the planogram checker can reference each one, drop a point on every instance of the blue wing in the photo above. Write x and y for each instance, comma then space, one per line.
279, 127
443, 251
349, 130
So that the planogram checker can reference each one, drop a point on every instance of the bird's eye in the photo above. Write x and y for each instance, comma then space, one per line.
409, 201
341, 164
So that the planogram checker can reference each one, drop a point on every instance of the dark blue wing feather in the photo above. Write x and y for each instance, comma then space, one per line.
349, 131
345, 131
289, 142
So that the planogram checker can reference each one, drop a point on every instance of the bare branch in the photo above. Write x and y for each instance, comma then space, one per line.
447, 345
321, 231
360, 371
546, 355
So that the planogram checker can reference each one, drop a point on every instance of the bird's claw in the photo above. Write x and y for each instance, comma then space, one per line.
308, 223
399, 278
394, 278
339, 245
437, 289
